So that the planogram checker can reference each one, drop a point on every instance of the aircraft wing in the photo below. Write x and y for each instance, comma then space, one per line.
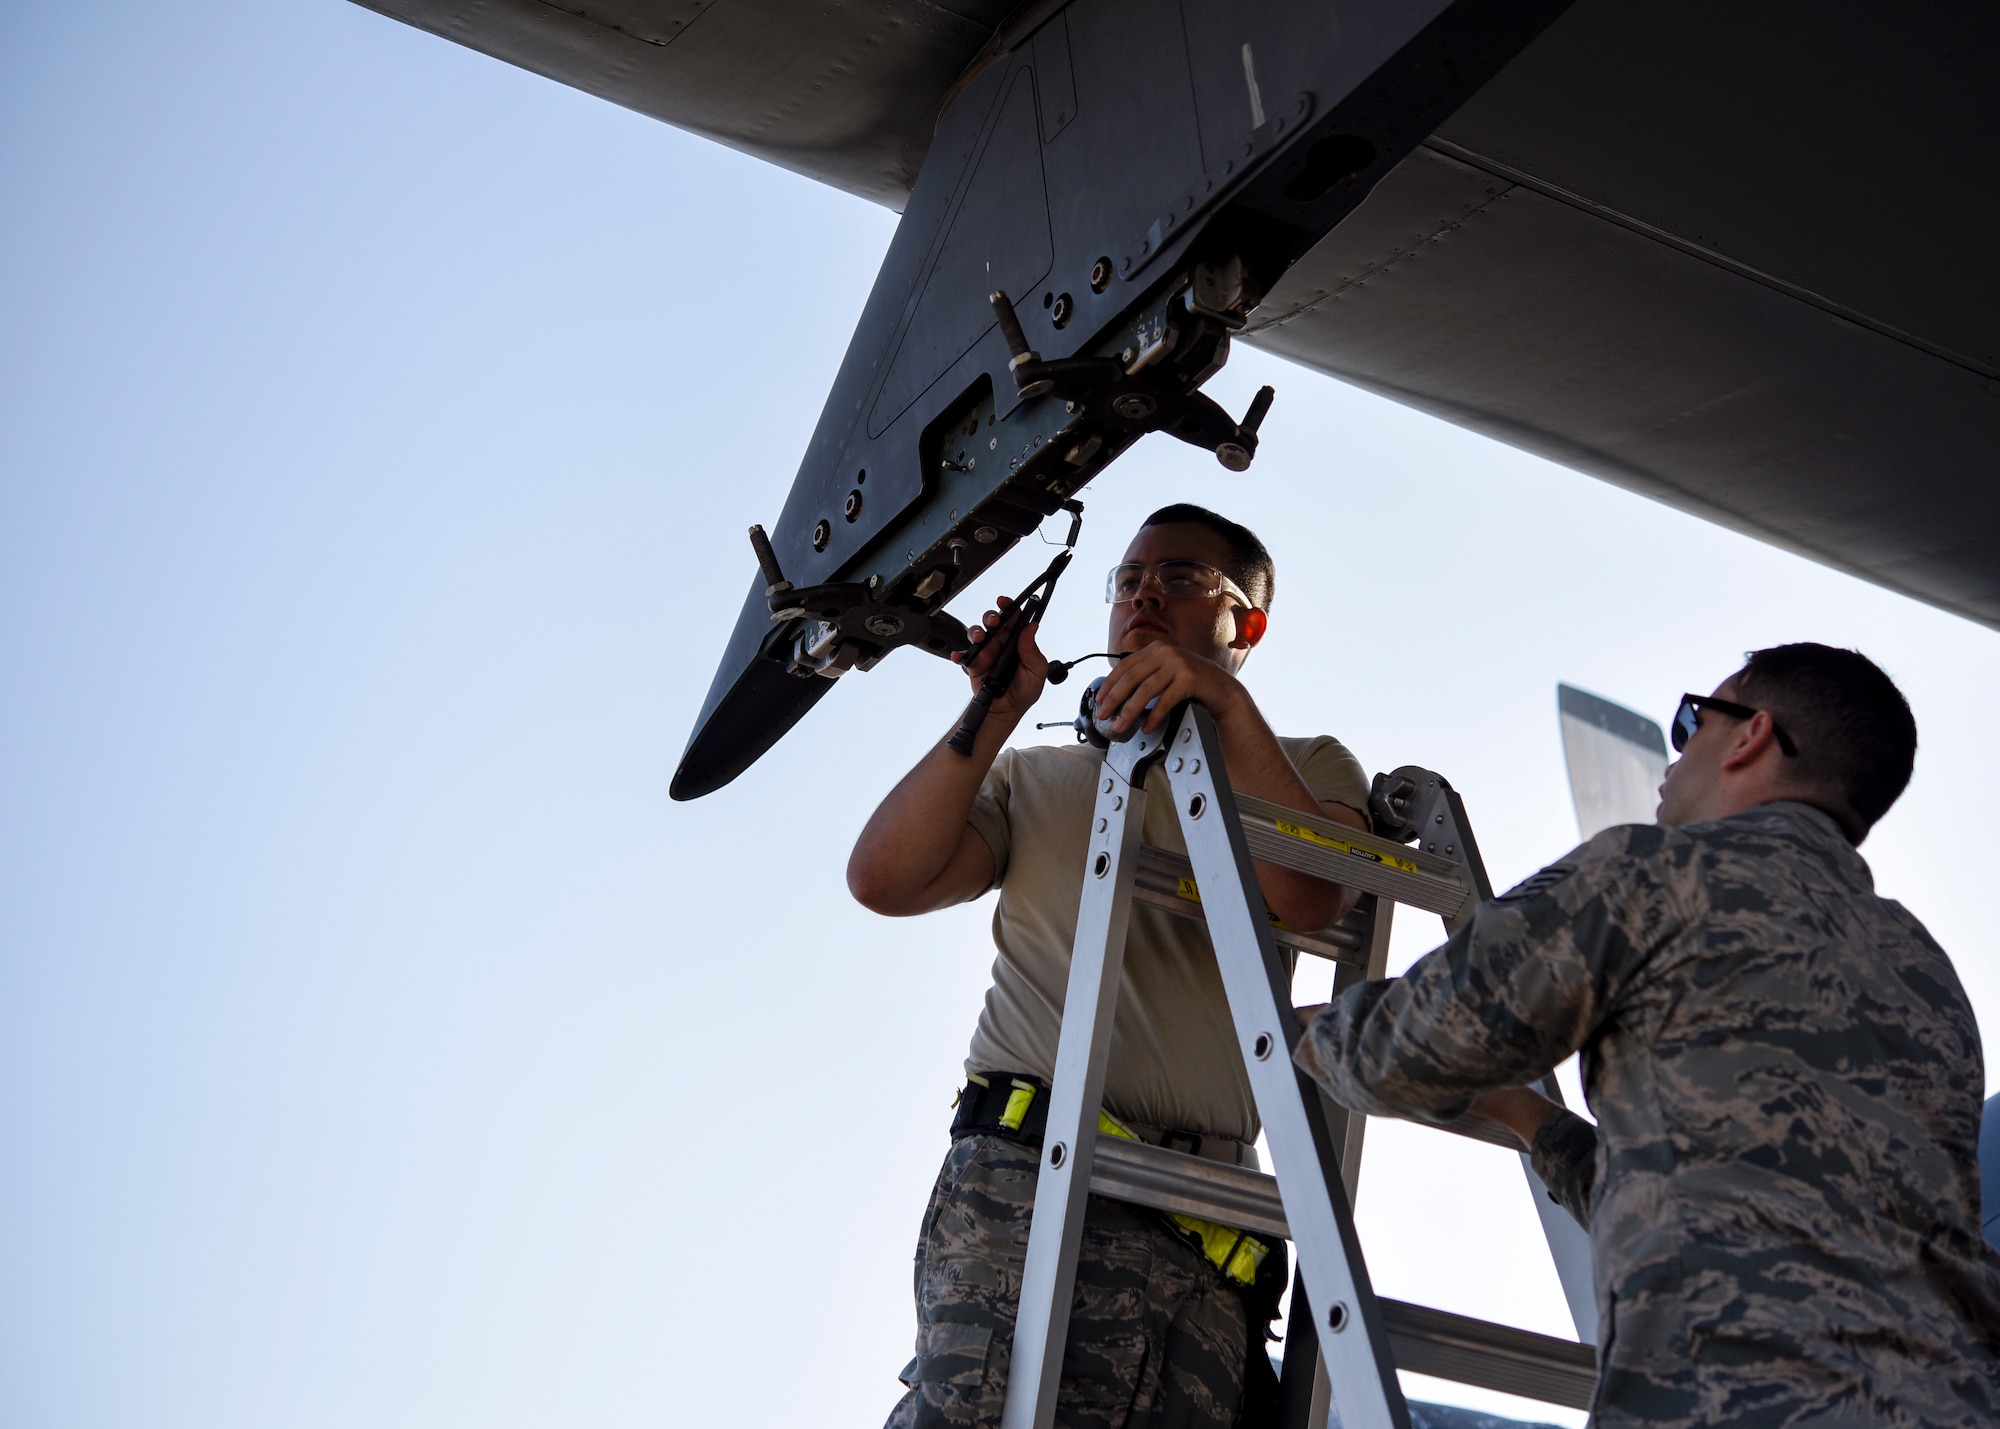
1616, 759
846, 93
1733, 258
1730, 257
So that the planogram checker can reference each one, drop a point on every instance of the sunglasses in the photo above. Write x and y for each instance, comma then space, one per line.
1177, 580
1687, 719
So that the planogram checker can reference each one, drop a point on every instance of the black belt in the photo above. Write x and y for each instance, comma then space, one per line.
1016, 1105
1002, 1104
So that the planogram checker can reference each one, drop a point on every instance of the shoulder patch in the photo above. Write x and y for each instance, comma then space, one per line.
1537, 884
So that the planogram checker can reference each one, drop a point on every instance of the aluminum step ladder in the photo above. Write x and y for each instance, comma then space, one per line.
1315, 1145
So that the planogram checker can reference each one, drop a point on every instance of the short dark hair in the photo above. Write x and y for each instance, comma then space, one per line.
1250, 564
1853, 728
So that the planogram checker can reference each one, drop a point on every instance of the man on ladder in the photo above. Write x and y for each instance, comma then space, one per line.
1782, 1192
1169, 1312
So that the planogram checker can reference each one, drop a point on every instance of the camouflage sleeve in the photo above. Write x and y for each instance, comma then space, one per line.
1565, 1157
1516, 989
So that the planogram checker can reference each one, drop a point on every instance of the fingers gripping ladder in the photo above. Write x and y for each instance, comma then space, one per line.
1315, 1145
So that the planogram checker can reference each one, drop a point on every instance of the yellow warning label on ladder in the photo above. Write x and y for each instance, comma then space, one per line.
1341, 846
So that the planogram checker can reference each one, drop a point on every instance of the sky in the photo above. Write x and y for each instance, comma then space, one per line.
378, 1042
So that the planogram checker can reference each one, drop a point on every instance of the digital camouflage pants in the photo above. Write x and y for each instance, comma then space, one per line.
1156, 1336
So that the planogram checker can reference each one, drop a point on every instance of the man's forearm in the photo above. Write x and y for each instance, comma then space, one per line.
1522, 1110
1258, 765
1498, 1006
909, 841
1562, 1145
1149, 683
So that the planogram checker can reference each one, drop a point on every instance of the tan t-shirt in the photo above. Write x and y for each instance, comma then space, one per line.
1174, 1060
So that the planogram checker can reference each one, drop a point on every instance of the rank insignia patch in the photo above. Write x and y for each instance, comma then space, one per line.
1537, 883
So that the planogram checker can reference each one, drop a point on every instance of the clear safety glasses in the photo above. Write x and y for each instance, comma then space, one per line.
1177, 580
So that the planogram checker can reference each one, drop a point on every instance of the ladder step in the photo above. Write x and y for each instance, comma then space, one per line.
1500, 1357
1318, 846
1166, 1180
1422, 1340
1166, 881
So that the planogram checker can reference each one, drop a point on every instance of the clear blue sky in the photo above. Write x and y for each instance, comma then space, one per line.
378, 1044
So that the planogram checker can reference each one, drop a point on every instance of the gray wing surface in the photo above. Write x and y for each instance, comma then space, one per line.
1630, 254
1729, 257
846, 93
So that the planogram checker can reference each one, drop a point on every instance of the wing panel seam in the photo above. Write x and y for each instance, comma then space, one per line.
1572, 199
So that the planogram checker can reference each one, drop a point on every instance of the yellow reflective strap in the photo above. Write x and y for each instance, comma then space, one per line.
1340, 846
1018, 1102
977, 1080
1247, 1261
1228, 1249
1109, 1125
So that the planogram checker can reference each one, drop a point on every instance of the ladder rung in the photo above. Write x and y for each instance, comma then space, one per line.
1318, 846
1468, 1351
1166, 881
1166, 1180
1149, 1175
1422, 1340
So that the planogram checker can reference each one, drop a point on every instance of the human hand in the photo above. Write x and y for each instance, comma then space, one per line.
1522, 1110
987, 651
1167, 674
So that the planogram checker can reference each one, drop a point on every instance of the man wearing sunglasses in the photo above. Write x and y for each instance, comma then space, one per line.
1168, 1315
1782, 1187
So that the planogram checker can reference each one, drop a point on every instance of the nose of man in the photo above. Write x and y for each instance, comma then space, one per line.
1660, 809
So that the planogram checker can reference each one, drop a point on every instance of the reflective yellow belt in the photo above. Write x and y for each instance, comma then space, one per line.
1235, 1253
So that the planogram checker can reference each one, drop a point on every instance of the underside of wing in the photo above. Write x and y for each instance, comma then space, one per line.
846, 93
1728, 257
1732, 258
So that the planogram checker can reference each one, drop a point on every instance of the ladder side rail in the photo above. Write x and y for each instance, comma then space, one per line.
1569, 1243
1308, 1400
1304, 1154
1062, 1185
1344, 977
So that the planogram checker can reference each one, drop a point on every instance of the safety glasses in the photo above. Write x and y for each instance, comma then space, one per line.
1177, 580
1687, 719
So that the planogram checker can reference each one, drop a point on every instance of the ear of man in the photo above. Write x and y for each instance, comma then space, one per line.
1754, 743
1855, 734
1255, 623
1755, 758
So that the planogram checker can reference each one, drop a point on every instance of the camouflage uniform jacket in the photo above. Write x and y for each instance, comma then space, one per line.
1782, 1190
